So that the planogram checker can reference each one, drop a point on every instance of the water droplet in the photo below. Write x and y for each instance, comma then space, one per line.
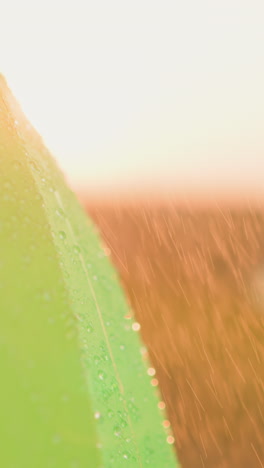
128, 316
117, 431
170, 439
96, 360
95, 278
154, 382
114, 386
161, 405
97, 415
136, 326
101, 375
59, 212
134, 412
166, 423
76, 249
151, 371
123, 422
90, 328
79, 317
125, 456
122, 347
144, 352
62, 235
34, 165
107, 251
106, 392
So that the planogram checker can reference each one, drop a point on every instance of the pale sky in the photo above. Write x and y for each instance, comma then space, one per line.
162, 92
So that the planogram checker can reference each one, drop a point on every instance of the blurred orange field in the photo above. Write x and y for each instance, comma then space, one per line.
194, 276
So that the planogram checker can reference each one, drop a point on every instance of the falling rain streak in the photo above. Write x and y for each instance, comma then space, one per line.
194, 276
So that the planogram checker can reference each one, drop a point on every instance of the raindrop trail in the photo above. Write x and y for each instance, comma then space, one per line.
191, 387
257, 455
235, 365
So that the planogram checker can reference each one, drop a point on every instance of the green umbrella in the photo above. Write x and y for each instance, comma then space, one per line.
75, 391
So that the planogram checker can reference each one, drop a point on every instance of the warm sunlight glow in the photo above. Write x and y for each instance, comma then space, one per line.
169, 92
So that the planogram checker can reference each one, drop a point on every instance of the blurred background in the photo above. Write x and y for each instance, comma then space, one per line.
163, 94
154, 110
